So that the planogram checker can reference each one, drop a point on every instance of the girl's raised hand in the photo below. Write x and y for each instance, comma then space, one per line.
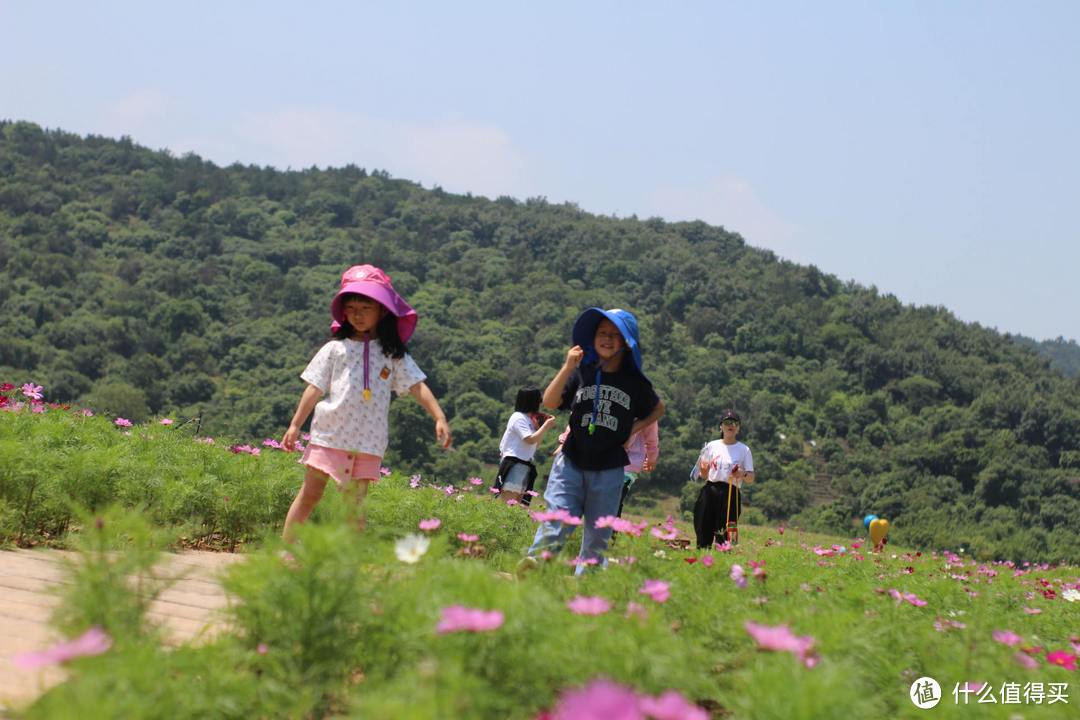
573, 356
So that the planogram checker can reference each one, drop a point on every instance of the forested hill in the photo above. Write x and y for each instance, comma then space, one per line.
141, 284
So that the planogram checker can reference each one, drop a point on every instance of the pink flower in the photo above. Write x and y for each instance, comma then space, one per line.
430, 524
911, 598
664, 533
475, 481
456, 618
531, 493
37, 408
1025, 660
449, 489
166, 421
86, 412
1032, 611
707, 561
671, 706
555, 516
781, 639
262, 648
588, 605
1061, 658
465, 537
122, 422
636, 609
722, 547
599, 700
1007, 637
494, 491
511, 502
32, 391
272, 443
738, 575
383, 470
94, 641
658, 590
414, 482
944, 624
583, 562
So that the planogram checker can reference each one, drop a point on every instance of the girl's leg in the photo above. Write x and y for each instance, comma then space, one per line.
355, 494
306, 500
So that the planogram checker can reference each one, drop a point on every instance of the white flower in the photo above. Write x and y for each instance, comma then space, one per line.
660, 554
411, 548
1071, 595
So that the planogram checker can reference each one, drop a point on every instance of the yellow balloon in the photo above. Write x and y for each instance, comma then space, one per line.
878, 530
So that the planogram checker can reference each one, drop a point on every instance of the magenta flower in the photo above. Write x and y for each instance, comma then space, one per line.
738, 575
272, 443
671, 706
456, 618
122, 422
722, 547
466, 537
6, 387
166, 421
582, 562
414, 482
588, 605
475, 481
37, 408
511, 502
599, 700
532, 493
32, 391
562, 516
664, 533
781, 639
430, 524
449, 489
94, 641
262, 648
1061, 658
383, 470
658, 590
1007, 637
494, 491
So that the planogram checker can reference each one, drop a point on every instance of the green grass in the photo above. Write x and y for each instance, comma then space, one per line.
343, 628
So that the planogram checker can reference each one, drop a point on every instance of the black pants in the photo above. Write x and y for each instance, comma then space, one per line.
711, 512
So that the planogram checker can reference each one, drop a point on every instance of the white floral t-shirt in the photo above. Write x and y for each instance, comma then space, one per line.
343, 419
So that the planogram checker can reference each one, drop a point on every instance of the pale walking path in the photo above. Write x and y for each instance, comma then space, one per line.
28, 582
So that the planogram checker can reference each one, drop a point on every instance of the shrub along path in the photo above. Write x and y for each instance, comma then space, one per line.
29, 578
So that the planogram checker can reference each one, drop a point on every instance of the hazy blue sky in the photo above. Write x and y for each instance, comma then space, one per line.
929, 148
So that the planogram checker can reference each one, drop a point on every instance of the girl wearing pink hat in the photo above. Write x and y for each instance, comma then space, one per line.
349, 382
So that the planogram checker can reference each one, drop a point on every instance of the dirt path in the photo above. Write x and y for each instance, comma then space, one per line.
29, 579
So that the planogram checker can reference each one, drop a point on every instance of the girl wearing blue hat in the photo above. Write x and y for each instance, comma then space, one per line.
609, 398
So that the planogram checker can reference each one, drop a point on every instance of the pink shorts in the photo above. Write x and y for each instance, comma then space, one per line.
342, 465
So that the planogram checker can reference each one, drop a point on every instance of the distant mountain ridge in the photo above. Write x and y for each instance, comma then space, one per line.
1064, 355
143, 284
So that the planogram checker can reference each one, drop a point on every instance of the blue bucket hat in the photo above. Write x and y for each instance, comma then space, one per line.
585, 331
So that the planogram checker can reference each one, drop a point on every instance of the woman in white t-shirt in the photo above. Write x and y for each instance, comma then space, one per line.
524, 430
724, 464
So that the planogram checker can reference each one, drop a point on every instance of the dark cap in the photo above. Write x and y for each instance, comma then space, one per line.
730, 415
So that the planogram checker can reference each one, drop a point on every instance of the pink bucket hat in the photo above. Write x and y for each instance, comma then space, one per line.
370, 281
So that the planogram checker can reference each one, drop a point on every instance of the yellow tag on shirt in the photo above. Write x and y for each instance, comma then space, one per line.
367, 394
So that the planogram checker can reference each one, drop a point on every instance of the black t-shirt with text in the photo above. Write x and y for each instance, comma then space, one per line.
625, 396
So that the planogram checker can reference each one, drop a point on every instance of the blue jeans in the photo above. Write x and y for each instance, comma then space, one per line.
588, 494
